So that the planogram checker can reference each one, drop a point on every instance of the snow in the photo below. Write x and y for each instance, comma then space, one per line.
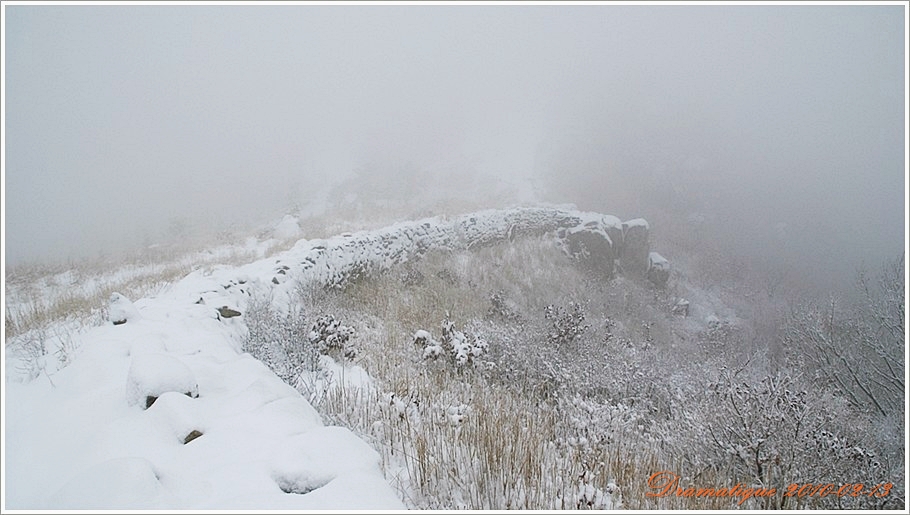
287, 228
79, 435
151, 375
433, 349
121, 310
637, 222
77, 439
121, 483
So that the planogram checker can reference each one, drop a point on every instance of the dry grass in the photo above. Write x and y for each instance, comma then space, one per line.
511, 448
83, 303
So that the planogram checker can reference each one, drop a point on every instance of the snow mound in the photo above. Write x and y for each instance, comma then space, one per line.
117, 484
151, 375
121, 310
637, 222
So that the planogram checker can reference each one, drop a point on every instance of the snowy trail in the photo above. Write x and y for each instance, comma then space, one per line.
80, 444
81, 438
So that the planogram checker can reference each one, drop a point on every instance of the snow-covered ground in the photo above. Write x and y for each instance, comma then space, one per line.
163, 410
81, 438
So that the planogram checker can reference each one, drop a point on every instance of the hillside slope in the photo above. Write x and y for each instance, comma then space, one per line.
165, 410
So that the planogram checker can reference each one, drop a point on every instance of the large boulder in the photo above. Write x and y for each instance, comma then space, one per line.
635, 247
613, 227
592, 246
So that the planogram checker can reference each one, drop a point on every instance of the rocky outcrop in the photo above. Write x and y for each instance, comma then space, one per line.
598, 241
635, 247
591, 246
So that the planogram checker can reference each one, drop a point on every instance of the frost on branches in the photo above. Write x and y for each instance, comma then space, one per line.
462, 348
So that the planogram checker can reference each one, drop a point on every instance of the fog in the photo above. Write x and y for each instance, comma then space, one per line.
781, 127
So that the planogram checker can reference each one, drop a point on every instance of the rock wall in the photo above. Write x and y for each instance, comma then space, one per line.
601, 243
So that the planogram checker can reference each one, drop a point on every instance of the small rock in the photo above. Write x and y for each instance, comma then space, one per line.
194, 434
681, 307
658, 269
227, 312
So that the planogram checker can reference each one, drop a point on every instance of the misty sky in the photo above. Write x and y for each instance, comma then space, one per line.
120, 119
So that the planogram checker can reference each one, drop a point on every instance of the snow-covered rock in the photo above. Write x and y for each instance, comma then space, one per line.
120, 310
153, 374
635, 247
592, 245
76, 443
335, 261
658, 269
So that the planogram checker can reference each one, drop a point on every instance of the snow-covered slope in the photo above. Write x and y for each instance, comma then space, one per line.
85, 441
165, 411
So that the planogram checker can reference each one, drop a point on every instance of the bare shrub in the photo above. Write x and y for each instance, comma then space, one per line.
857, 349
773, 432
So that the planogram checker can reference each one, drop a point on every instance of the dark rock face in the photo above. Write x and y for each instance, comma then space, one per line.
592, 247
635, 247
614, 231
658, 269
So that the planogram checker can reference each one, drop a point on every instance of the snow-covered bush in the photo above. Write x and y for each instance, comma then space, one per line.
465, 348
462, 348
501, 308
719, 334
328, 333
281, 341
432, 348
294, 348
774, 432
27, 353
566, 323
